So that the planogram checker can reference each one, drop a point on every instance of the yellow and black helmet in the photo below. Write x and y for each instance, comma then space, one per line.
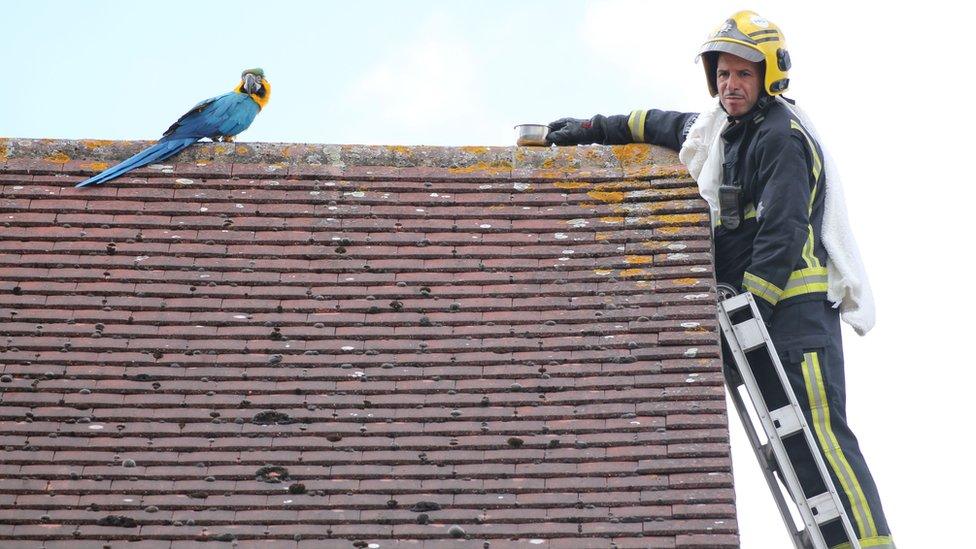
752, 37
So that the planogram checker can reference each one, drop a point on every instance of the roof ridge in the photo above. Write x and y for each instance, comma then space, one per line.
584, 162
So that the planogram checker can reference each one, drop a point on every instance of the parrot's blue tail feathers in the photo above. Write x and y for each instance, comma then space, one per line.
158, 152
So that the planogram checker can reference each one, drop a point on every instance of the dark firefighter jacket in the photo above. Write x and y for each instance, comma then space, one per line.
776, 252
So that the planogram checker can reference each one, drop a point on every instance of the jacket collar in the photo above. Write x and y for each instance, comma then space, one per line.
738, 123
756, 111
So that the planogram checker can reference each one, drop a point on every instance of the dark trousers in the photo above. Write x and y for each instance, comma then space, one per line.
817, 378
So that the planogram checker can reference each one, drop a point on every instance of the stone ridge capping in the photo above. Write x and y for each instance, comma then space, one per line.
308, 161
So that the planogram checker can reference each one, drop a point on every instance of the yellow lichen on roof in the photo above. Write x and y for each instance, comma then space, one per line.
92, 144
665, 194
555, 172
654, 244
668, 171
571, 184
625, 185
607, 196
641, 207
675, 219
639, 259
489, 168
632, 272
632, 154
594, 155
401, 150
612, 220
58, 157
95, 166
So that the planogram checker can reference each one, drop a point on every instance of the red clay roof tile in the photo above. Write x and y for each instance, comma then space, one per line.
346, 346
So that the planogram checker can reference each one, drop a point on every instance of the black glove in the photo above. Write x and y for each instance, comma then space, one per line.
576, 131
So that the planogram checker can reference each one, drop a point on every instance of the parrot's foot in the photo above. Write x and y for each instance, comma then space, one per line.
228, 139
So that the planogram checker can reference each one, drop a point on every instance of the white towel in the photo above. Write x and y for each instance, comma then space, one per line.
847, 281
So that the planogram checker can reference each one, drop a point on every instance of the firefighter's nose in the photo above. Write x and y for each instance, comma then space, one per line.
733, 83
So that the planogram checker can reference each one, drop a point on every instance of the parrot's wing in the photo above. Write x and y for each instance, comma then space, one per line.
192, 113
227, 114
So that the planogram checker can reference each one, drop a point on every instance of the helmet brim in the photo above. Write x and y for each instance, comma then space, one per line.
734, 48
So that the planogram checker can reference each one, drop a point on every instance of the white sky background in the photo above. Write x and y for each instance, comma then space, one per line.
888, 87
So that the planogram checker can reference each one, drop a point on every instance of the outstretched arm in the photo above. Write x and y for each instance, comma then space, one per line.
664, 128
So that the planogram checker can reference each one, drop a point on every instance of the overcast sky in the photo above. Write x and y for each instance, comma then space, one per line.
888, 87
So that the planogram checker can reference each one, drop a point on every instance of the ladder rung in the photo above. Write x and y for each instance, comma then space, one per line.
749, 335
823, 508
736, 303
785, 420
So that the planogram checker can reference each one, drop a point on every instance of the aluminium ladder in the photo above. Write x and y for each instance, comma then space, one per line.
745, 332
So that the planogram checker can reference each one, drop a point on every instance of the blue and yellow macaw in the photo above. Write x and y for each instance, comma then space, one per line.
219, 118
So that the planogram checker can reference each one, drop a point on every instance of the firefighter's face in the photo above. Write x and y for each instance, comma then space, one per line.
738, 83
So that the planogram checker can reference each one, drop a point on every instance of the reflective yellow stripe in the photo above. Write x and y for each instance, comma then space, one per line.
636, 124
809, 257
817, 163
808, 254
879, 542
761, 288
805, 281
820, 414
750, 213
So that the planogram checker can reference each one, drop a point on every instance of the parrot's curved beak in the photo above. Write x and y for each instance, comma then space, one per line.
252, 83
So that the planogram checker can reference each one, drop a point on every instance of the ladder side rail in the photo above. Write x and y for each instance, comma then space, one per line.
787, 473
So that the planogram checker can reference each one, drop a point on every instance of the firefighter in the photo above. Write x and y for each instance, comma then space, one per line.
767, 191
